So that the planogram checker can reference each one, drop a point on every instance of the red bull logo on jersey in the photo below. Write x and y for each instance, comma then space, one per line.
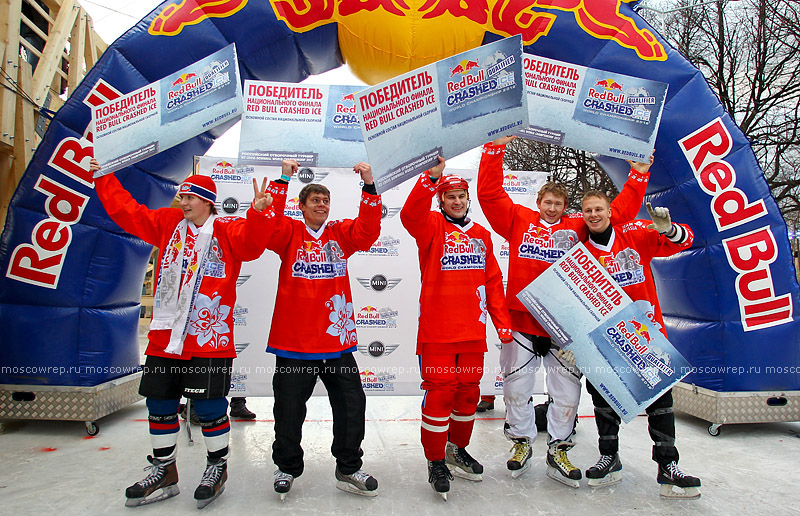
318, 260
546, 245
532, 19
463, 252
179, 14
293, 209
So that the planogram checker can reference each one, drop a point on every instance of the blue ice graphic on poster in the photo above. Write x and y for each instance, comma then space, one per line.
468, 79
341, 121
626, 105
213, 80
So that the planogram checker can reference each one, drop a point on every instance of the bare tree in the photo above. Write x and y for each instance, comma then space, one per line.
749, 52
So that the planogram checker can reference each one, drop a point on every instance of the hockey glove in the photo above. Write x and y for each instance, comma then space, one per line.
567, 356
661, 219
505, 335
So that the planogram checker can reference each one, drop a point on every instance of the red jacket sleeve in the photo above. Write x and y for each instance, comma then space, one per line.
137, 219
248, 237
360, 233
495, 202
627, 204
495, 297
416, 212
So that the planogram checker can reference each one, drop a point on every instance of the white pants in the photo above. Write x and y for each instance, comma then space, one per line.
519, 365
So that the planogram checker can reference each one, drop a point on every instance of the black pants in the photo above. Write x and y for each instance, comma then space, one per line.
293, 383
660, 424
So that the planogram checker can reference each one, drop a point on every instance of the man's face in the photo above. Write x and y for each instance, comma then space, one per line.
315, 210
195, 209
551, 207
596, 214
455, 203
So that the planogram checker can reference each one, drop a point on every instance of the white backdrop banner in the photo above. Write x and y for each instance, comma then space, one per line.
385, 280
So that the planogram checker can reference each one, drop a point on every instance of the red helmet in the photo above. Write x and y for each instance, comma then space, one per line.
451, 182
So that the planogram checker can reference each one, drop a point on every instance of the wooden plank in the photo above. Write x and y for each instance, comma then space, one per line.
7, 185
35, 28
24, 129
10, 11
51, 56
90, 48
36, 7
76, 42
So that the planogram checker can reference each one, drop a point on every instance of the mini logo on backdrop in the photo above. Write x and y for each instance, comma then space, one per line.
230, 205
379, 282
307, 175
376, 349
387, 212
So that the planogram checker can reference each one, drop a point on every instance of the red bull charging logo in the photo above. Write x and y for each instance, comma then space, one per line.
530, 18
175, 16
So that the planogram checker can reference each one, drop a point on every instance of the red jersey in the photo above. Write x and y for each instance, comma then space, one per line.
234, 240
535, 244
313, 316
461, 280
627, 258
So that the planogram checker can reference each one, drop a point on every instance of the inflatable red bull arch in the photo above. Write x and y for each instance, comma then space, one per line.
71, 282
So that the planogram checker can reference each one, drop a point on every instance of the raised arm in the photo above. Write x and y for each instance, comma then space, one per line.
416, 211
249, 236
360, 233
134, 218
495, 202
627, 204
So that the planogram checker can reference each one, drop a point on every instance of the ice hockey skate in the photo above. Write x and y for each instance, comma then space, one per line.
439, 477
282, 483
520, 461
559, 467
607, 471
670, 478
161, 483
461, 463
360, 483
213, 483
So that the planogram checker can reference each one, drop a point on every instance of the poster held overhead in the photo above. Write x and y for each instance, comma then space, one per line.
445, 108
167, 112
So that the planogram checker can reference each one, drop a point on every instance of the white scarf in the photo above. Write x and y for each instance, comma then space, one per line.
174, 298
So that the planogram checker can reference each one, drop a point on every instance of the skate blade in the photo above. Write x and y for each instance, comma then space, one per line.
347, 487
460, 473
610, 479
670, 491
166, 492
516, 473
558, 477
203, 503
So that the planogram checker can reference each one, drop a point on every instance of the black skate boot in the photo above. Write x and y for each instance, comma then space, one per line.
559, 467
461, 463
213, 483
519, 462
360, 483
282, 483
163, 475
607, 471
669, 476
439, 477
239, 409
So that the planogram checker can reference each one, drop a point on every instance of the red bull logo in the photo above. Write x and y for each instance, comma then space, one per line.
641, 330
184, 78
609, 84
463, 67
530, 18
350, 97
175, 16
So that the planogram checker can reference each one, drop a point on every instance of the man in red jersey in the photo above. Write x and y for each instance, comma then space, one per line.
536, 240
626, 251
190, 350
461, 282
313, 332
